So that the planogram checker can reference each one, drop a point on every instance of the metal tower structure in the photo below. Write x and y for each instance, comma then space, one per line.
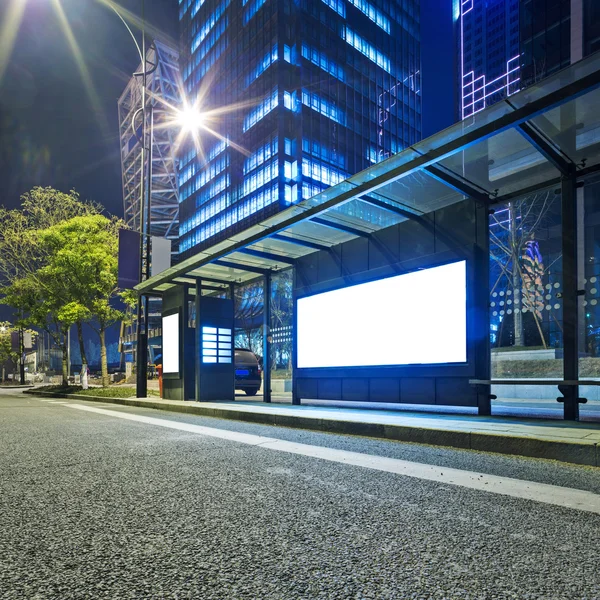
164, 84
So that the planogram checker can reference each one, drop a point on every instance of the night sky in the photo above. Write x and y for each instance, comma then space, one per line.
49, 132
51, 135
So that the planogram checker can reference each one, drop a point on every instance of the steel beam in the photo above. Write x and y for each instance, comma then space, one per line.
458, 184
546, 148
341, 227
239, 267
268, 256
299, 242
570, 297
392, 208
267, 338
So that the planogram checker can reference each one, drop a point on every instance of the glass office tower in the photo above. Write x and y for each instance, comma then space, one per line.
324, 89
505, 45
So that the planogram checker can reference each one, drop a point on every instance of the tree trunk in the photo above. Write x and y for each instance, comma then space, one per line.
516, 279
65, 368
83, 379
103, 359
537, 322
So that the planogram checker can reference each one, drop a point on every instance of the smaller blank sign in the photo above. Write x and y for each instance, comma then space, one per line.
161, 255
170, 343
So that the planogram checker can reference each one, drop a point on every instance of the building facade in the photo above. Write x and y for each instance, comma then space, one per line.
312, 91
506, 45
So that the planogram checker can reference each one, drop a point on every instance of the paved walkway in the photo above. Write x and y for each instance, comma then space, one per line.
566, 441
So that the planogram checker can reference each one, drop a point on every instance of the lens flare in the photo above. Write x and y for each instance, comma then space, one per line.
88, 83
8, 32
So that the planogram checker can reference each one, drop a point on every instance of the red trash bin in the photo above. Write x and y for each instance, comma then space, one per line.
159, 371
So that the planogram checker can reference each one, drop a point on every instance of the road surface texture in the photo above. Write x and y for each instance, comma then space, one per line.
101, 501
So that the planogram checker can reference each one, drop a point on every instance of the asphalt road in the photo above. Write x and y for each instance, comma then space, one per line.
110, 504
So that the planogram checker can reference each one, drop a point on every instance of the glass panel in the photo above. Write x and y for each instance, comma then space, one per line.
281, 248
502, 164
526, 304
281, 326
363, 215
418, 192
319, 233
589, 332
248, 311
575, 128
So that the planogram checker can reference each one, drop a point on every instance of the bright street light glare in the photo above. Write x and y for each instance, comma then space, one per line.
190, 120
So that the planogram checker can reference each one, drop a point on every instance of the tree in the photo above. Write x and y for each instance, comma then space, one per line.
83, 256
27, 282
249, 306
512, 229
6, 350
282, 318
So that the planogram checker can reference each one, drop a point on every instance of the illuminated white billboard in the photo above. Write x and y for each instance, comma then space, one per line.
415, 318
170, 343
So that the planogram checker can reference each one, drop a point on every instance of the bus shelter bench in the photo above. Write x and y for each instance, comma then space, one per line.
562, 384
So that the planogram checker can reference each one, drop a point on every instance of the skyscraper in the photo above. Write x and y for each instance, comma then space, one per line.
505, 45
323, 89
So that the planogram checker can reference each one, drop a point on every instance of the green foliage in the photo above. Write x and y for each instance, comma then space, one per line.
58, 264
6, 351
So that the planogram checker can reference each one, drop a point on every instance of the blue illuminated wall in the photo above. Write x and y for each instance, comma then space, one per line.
327, 87
506, 45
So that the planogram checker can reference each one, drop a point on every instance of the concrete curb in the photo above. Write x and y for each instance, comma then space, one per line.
581, 453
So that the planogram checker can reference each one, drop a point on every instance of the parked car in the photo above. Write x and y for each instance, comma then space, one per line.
247, 371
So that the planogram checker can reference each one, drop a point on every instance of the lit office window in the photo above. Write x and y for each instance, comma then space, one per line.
253, 7
261, 155
269, 58
323, 106
323, 173
321, 151
375, 15
322, 61
260, 177
196, 7
366, 49
289, 54
308, 190
263, 109
291, 193
289, 101
208, 25
336, 5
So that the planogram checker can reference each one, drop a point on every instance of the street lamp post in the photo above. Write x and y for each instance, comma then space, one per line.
145, 182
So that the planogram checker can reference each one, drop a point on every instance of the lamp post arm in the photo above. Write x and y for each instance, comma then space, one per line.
111, 6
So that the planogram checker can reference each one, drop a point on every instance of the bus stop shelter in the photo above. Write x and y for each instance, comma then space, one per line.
546, 136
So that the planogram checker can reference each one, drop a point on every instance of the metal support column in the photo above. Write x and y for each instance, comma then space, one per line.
295, 397
141, 367
21, 356
267, 338
570, 297
483, 360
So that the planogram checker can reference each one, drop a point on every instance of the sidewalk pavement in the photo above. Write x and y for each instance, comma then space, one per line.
550, 439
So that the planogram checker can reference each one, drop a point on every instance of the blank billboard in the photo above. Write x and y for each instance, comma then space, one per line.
415, 318
170, 343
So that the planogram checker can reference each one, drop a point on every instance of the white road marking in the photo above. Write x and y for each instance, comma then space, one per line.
506, 486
